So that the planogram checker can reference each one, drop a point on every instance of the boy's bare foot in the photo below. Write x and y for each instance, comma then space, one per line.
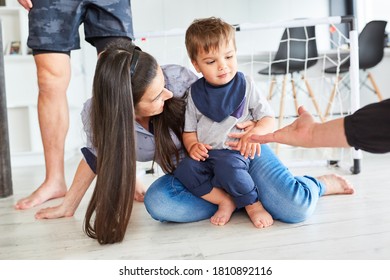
258, 215
335, 184
224, 212
44, 193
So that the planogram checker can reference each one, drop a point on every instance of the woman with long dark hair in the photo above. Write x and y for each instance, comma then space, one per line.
129, 96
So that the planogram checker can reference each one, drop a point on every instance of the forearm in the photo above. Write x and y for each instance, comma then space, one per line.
82, 180
189, 139
328, 134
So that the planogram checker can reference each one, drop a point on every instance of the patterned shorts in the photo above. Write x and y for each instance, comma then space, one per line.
54, 24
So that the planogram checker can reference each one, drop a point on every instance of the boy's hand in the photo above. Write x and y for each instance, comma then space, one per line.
199, 151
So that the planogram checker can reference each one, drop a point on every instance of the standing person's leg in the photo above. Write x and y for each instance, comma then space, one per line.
286, 197
51, 47
53, 71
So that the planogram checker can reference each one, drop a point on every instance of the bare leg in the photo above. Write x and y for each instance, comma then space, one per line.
336, 184
226, 206
53, 70
258, 215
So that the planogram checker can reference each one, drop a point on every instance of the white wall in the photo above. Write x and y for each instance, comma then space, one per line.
163, 15
368, 10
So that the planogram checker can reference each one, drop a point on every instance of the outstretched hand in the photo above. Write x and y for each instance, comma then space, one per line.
299, 133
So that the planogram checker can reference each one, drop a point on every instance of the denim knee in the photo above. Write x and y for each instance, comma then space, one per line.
150, 205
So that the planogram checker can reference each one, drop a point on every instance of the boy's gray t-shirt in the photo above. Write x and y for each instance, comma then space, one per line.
216, 134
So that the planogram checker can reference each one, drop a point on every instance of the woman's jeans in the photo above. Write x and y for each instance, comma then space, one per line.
287, 198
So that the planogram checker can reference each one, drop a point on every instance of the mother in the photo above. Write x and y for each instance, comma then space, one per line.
136, 113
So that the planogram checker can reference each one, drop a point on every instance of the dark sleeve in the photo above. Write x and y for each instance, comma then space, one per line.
368, 129
90, 158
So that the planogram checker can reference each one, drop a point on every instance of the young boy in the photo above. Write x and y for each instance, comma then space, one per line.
218, 101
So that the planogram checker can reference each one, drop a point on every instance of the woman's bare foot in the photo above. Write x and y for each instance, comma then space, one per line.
44, 193
258, 215
335, 184
224, 212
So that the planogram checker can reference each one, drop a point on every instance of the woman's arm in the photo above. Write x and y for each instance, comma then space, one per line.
81, 182
263, 126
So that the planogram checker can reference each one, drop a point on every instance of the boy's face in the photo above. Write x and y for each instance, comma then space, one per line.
217, 66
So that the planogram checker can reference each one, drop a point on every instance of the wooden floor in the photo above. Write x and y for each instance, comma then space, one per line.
342, 227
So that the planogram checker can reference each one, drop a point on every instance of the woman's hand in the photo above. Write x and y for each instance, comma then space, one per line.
81, 182
140, 191
246, 126
60, 211
244, 145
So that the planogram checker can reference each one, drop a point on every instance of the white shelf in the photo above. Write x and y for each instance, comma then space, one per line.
15, 28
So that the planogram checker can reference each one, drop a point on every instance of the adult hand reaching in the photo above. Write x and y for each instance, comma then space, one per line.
305, 132
299, 133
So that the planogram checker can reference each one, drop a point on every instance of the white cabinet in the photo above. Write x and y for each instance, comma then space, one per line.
15, 23
22, 92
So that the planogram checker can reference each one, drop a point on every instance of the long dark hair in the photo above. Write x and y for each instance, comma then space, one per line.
115, 93
170, 120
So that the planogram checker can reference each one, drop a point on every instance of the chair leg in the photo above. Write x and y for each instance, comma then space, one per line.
313, 99
294, 90
271, 88
281, 109
371, 78
330, 103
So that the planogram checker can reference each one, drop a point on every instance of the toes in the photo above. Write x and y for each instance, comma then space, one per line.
259, 225
218, 221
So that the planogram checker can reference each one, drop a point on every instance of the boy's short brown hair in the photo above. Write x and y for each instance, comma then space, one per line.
207, 34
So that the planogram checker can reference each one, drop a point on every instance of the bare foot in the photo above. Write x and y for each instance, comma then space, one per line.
224, 212
44, 193
258, 215
335, 184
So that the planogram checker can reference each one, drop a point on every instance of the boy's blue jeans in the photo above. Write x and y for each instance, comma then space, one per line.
287, 198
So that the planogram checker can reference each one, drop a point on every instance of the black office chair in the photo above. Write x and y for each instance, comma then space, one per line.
297, 52
371, 45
